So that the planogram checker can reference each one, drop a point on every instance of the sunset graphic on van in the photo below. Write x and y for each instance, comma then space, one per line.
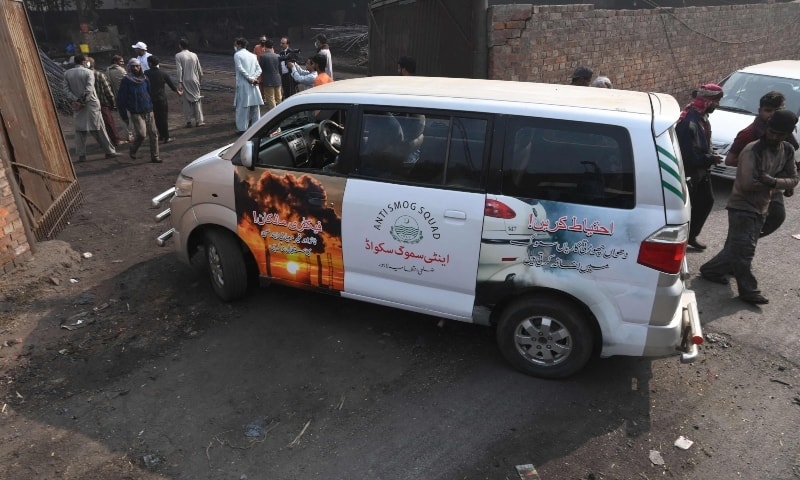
292, 224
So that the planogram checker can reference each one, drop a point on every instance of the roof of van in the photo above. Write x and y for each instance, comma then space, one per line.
498, 90
778, 68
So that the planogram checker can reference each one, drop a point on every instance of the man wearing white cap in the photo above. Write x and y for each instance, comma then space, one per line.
142, 54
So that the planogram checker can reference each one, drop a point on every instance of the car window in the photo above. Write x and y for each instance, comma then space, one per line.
427, 148
565, 161
307, 139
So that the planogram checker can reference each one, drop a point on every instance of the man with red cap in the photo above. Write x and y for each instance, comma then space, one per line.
694, 138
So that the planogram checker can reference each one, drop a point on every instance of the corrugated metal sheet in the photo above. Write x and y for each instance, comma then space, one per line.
439, 34
37, 153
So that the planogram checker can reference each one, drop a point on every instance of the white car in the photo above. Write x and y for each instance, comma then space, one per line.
737, 109
559, 214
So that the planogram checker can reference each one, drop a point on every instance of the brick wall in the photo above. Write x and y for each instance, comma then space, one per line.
14, 246
670, 50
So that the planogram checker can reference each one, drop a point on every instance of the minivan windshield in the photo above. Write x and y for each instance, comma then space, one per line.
744, 90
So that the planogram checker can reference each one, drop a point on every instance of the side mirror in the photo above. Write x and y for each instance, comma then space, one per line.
245, 156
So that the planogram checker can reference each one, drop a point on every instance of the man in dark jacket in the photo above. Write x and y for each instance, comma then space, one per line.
158, 94
694, 137
271, 85
765, 166
133, 99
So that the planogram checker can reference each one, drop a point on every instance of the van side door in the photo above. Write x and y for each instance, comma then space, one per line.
413, 210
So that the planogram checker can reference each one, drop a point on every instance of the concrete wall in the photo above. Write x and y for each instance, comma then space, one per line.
14, 247
668, 50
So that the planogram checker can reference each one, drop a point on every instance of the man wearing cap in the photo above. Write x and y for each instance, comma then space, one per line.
142, 54
134, 100
694, 138
582, 76
769, 103
765, 165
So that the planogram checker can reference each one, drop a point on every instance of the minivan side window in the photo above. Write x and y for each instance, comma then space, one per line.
565, 161
423, 148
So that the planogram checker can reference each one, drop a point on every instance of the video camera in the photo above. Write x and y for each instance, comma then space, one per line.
290, 55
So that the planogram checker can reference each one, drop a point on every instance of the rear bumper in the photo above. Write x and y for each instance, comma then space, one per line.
691, 330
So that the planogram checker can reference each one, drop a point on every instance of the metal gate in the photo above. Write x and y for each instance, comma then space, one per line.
32, 147
447, 38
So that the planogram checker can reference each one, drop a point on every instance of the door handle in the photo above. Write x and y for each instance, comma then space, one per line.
455, 214
316, 201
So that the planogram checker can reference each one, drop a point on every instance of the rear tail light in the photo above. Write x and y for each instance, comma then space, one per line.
498, 209
665, 249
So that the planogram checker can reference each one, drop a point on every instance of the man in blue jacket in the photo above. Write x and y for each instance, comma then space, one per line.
133, 99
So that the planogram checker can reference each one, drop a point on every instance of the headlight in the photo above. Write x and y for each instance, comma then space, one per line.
183, 186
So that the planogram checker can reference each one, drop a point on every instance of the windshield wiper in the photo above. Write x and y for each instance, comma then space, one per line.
736, 109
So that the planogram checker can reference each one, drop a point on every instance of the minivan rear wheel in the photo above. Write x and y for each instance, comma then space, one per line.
226, 265
544, 337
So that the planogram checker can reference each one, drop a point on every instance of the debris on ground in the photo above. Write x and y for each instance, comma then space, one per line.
656, 458
716, 338
683, 443
528, 471
79, 320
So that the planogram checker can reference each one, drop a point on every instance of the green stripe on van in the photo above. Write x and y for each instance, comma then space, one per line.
672, 170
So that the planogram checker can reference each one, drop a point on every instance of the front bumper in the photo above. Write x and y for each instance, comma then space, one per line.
164, 214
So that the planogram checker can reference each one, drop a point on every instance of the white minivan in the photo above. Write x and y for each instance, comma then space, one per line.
558, 214
739, 106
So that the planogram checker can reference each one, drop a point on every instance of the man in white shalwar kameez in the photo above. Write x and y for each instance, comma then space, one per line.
248, 98
190, 74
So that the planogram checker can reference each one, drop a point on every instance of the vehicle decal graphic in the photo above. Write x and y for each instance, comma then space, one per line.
540, 242
414, 228
670, 173
292, 224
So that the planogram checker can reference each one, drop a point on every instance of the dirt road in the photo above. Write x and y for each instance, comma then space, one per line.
124, 365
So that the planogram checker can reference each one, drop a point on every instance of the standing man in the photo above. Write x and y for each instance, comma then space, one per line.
582, 76
158, 95
287, 83
289, 87
86, 109
768, 104
190, 74
321, 43
694, 137
134, 100
115, 73
406, 66
141, 53
248, 99
271, 85
258, 50
108, 102
765, 165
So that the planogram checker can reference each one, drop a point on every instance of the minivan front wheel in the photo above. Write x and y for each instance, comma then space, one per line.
544, 338
226, 265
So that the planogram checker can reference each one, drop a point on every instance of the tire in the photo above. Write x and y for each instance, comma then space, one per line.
226, 265
544, 338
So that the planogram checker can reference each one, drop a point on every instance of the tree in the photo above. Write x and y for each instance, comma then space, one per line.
87, 9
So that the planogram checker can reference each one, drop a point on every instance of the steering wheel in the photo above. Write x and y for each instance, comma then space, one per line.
330, 133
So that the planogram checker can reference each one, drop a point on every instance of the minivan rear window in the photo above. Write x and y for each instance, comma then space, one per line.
573, 162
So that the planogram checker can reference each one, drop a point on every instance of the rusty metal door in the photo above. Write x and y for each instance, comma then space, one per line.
32, 147
439, 34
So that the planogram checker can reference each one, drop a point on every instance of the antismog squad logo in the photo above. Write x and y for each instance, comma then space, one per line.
406, 230
406, 227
